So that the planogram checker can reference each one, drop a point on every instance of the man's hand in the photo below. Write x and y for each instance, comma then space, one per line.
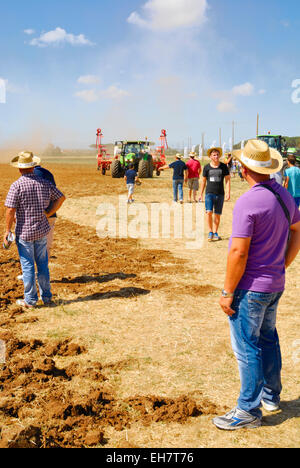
227, 198
5, 237
226, 303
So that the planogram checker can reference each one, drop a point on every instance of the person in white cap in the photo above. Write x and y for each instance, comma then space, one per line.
28, 200
265, 240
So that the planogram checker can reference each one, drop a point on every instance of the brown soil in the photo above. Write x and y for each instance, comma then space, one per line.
33, 386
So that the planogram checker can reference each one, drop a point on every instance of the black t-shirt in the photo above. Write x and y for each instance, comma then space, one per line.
215, 178
178, 167
45, 174
130, 176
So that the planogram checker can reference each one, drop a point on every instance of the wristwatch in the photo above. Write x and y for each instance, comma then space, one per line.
226, 294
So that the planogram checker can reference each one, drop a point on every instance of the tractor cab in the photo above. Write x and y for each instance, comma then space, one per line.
276, 142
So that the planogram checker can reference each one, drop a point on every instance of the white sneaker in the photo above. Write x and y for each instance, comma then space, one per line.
270, 407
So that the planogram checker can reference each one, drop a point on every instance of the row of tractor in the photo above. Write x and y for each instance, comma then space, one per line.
145, 160
148, 159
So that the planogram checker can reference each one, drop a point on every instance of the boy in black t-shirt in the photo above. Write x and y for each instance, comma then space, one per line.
213, 179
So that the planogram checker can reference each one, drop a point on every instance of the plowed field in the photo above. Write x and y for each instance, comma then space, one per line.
136, 352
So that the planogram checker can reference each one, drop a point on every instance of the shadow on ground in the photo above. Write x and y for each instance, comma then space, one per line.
123, 293
288, 410
94, 278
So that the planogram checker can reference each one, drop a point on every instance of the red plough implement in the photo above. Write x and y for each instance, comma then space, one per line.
103, 159
159, 158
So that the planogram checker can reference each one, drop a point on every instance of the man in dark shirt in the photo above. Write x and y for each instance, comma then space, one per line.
179, 170
47, 175
131, 177
213, 180
28, 202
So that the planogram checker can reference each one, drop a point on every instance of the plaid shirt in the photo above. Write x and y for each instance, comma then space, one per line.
31, 195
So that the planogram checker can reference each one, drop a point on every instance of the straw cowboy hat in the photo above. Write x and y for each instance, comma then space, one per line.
259, 157
178, 156
220, 150
25, 160
193, 154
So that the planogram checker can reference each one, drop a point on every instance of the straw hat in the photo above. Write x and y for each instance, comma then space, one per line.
220, 150
193, 154
259, 157
25, 160
178, 156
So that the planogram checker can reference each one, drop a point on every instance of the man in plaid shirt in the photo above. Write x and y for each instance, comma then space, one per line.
32, 200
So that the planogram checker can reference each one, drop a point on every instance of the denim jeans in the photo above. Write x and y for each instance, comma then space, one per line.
32, 253
178, 185
256, 346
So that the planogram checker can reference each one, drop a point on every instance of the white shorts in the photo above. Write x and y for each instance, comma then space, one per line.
130, 189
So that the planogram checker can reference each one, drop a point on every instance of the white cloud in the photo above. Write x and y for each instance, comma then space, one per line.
170, 14
92, 95
88, 79
246, 89
285, 23
88, 95
29, 32
226, 106
58, 37
113, 92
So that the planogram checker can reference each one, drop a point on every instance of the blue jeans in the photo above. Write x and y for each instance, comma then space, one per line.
256, 346
178, 185
214, 203
32, 253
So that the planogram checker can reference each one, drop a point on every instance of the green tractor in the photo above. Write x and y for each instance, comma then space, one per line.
132, 152
279, 143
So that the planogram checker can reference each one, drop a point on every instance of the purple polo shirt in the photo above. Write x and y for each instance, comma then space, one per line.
31, 195
258, 214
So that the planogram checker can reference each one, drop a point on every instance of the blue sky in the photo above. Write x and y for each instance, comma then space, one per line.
135, 67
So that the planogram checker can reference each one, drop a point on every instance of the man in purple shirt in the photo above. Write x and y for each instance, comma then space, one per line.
28, 200
265, 241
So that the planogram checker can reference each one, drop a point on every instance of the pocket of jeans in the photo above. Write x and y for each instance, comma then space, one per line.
256, 302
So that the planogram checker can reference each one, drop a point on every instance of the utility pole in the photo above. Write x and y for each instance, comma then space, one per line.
220, 137
257, 125
233, 123
203, 148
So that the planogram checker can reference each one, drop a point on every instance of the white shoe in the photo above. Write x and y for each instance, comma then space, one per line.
270, 407
20, 278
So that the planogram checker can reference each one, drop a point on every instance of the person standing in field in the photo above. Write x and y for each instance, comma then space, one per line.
47, 175
28, 201
179, 174
131, 178
292, 181
192, 176
214, 175
265, 240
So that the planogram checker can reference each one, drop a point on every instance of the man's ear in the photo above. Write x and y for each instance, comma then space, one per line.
244, 171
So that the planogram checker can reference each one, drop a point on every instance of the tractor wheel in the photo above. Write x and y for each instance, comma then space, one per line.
158, 173
103, 171
116, 169
143, 169
151, 167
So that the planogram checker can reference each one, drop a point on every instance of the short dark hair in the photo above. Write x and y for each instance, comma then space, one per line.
291, 159
131, 166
